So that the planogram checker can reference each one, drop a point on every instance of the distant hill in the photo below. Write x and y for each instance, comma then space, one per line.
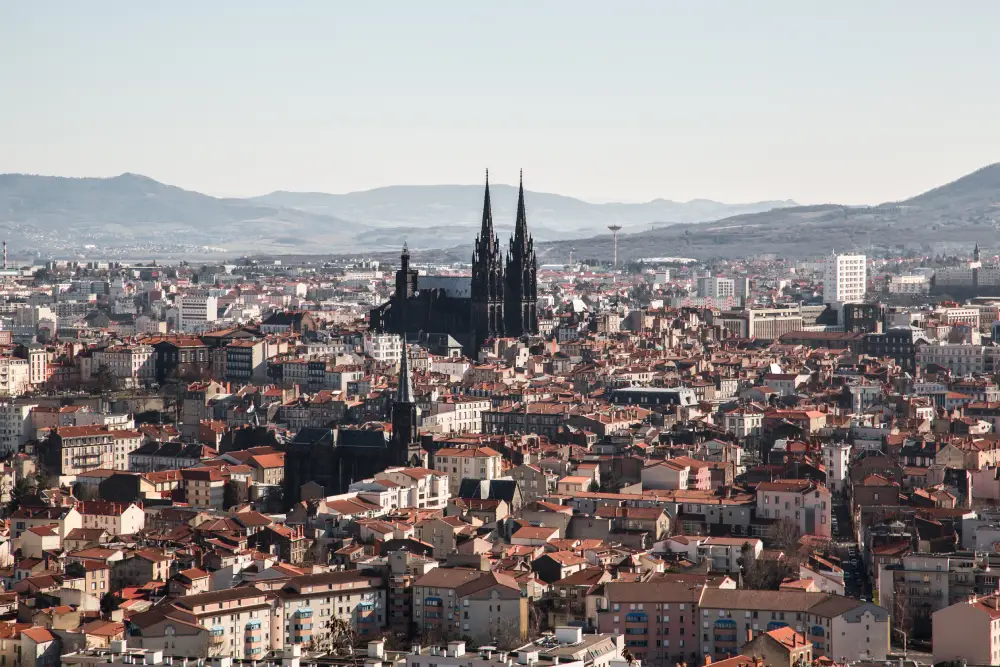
49, 212
409, 209
65, 216
948, 218
78, 216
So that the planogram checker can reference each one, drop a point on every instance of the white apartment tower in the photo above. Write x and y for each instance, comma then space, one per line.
195, 311
837, 460
845, 279
716, 288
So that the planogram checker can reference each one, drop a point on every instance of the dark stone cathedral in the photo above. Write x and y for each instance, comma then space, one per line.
333, 459
498, 301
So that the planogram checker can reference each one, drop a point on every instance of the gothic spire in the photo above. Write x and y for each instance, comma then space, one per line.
486, 231
404, 392
521, 225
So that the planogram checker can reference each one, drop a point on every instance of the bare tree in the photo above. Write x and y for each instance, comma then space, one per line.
902, 610
507, 634
785, 535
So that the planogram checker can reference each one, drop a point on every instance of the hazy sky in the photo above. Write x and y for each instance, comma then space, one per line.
841, 101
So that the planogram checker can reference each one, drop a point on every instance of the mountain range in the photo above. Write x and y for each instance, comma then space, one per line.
51, 214
56, 216
948, 219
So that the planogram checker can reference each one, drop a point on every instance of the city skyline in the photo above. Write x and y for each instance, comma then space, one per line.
853, 104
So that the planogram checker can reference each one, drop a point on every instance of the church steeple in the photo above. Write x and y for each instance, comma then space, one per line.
975, 254
520, 289
404, 392
404, 447
487, 280
521, 237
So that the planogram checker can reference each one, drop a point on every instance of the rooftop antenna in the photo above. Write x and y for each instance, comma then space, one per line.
614, 230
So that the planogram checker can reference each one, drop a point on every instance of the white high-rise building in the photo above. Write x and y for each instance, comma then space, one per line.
383, 347
15, 426
837, 459
845, 279
195, 311
716, 288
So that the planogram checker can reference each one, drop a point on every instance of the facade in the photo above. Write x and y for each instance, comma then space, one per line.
386, 348
469, 603
15, 376
458, 414
312, 601
15, 426
196, 312
836, 626
900, 343
481, 463
659, 620
837, 459
129, 365
761, 323
716, 288
499, 300
968, 632
845, 278
82, 448
804, 503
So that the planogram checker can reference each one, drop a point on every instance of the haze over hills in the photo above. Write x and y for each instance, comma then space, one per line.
953, 216
440, 215
51, 214
59, 216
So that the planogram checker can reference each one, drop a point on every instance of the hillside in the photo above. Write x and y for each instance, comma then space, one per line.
73, 216
949, 218
423, 212
54, 214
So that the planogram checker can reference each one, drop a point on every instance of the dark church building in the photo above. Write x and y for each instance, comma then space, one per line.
335, 459
498, 301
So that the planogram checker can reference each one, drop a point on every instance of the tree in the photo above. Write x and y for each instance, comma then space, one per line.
507, 634
103, 379
902, 613
785, 535
22, 487
108, 603
343, 636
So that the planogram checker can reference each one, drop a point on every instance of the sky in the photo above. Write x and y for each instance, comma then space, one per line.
849, 101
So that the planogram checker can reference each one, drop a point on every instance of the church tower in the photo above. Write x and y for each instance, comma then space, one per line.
404, 447
521, 285
487, 281
406, 287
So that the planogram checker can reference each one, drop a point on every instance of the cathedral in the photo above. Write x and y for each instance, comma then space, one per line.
334, 458
498, 301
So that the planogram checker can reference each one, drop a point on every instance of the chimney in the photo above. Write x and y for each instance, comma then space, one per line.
708, 659
749, 634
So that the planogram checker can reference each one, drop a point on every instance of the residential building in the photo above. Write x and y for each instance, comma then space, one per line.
469, 602
196, 312
458, 463
845, 278
805, 503
968, 632
838, 626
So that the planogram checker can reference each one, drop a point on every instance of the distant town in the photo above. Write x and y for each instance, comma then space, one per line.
663, 461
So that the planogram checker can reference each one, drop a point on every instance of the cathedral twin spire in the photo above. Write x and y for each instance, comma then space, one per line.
503, 293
